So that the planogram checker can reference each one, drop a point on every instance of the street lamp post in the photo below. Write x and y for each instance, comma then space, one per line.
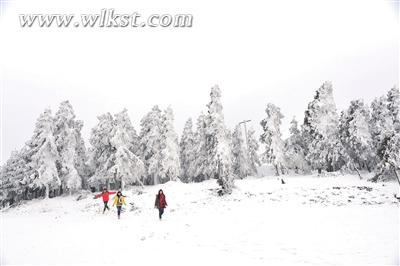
245, 131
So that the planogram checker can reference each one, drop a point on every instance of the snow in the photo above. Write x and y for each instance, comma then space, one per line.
308, 220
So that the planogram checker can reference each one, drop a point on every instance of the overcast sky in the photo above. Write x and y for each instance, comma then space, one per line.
256, 51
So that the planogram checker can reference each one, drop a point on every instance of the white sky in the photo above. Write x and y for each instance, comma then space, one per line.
257, 51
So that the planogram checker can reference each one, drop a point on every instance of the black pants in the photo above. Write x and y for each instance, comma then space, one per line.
105, 206
160, 212
119, 207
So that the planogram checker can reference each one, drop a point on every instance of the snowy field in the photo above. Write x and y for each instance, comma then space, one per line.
308, 220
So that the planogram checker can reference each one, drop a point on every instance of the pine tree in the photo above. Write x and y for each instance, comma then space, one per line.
127, 167
392, 155
271, 137
393, 105
81, 158
241, 162
15, 181
170, 164
187, 152
70, 146
114, 155
355, 135
198, 169
150, 144
388, 166
43, 155
102, 151
295, 150
126, 132
385, 129
320, 131
219, 161
381, 125
253, 146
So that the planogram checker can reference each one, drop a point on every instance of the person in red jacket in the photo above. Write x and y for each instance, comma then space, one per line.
106, 197
161, 203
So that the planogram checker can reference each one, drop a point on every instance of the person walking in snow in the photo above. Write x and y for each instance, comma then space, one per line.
106, 197
119, 200
161, 203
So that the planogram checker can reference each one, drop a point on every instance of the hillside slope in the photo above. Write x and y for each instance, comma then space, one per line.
308, 220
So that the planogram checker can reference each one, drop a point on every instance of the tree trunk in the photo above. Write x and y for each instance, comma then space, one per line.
395, 172
277, 170
122, 186
358, 172
397, 176
375, 178
25, 197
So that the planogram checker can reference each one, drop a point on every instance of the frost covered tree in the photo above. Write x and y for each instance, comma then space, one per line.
126, 132
150, 144
14, 171
114, 154
82, 156
392, 155
70, 147
320, 131
241, 162
217, 146
43, 155
187, 152
253, 146
393, 105
102, 151
170, 164
53, 159
199, 166
381, 122
127, 167
389, 165
271, 137
355, 135
15, 176
295, 150
385, 129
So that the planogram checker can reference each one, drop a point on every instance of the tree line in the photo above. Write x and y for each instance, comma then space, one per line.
56, 161
361, 138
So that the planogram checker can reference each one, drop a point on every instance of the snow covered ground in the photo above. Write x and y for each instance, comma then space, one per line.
308, 220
